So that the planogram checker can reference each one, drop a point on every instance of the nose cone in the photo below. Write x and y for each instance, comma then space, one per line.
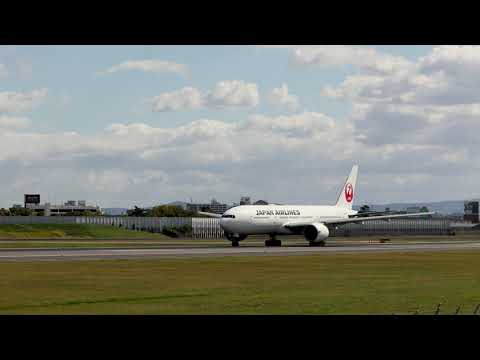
222, 223
226, 221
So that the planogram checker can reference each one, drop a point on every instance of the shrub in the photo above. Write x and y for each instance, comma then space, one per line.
176, 231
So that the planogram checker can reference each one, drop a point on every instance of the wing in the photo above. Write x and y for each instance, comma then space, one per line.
357, 220
371, 218
209, 214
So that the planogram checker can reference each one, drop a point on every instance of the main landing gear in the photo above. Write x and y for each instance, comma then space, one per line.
273, 241
320, 243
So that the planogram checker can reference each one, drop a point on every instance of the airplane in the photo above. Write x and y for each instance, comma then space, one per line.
314, 222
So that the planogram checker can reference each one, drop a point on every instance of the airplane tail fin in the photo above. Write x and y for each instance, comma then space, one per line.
347, 193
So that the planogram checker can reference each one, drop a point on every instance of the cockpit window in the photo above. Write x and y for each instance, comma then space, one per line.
228, 216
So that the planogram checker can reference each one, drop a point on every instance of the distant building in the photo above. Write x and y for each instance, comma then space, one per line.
31, 199
68, 208
115, 211
245, 200
471, 211
213, 207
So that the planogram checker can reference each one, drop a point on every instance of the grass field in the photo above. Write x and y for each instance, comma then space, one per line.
71, 231
380, 283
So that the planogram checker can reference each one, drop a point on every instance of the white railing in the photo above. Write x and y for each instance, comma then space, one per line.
208, 228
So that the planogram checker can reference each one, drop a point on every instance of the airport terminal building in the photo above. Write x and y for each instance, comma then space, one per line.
70, 207
471, 213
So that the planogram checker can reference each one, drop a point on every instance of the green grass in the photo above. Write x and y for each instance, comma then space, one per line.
380, 283
71, 231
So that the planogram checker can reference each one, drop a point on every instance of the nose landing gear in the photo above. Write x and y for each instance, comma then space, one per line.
235, 239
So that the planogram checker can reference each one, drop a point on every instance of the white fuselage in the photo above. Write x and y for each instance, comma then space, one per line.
270, 219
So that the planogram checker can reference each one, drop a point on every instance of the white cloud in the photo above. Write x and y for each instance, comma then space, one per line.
245, 136
281, 97
306, 124
447, 76
355, 86
434, 101
260, 155
235, 93
413, 129
153, 66
415, 122
3, 71
453, 59
363, 57
184, 99
138, 161
21, 102
225, 94
12, 122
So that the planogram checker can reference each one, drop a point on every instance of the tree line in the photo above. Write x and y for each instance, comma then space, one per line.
161, 211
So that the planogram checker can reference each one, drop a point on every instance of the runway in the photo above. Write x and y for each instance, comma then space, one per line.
83, 254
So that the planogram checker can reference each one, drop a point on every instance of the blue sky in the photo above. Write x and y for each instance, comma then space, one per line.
385, 103
82, 100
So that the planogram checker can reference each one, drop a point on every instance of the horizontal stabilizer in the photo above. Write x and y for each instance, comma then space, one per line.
371, 218
209, 214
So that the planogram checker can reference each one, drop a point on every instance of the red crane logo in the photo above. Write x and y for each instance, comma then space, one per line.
349, 192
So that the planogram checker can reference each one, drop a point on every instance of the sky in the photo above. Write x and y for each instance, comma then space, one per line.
120, 126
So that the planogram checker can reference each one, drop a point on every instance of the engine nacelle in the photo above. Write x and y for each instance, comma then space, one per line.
316, 232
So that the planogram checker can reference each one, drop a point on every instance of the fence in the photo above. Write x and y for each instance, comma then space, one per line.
14, 220
206, 228
438, 311
155, 224
210, 227
395, 227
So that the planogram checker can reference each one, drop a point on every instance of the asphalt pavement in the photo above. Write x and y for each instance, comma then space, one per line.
77, 254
